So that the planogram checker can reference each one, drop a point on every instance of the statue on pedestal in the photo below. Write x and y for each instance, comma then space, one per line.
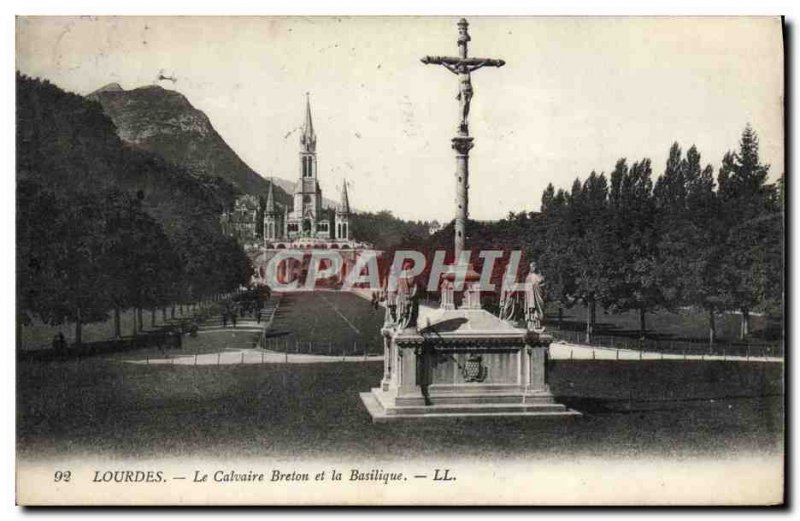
508, 304
448, 299
407, 301
391, 307
534, 299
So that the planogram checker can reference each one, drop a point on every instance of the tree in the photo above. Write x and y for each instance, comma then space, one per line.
554, 258
671, 223
703, 286
687, 225
547, 199
633, 282
61, 251
588, 232
752, 264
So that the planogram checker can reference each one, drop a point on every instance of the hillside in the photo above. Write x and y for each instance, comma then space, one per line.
163, 122
103, 224
69, 144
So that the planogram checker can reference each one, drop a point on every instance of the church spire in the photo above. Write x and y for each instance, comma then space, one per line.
307, 138
309, 127
344, 204
270, 206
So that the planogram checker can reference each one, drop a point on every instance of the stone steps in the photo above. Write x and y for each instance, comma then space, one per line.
451, 412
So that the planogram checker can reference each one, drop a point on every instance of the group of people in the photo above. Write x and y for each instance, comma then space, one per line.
230, 315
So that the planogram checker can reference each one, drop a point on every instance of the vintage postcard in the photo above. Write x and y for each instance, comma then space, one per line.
400, 260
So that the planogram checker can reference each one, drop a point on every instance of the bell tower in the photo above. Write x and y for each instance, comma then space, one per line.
343, 216
271, 230
307, 194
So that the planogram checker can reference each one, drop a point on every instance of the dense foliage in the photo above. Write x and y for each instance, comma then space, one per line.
626, 242
103, 226
385, 231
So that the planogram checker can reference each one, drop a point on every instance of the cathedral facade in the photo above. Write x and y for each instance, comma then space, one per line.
307, 224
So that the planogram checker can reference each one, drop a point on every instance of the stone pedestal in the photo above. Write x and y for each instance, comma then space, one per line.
461, 363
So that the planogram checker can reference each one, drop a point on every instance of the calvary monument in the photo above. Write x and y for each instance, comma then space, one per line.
460, 360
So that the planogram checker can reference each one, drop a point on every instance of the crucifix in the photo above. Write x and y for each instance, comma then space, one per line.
463, 67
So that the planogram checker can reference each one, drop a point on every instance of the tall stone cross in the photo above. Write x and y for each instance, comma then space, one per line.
463, 67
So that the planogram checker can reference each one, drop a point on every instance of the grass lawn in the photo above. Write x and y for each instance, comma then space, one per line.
326, 322
671, 409
686, 326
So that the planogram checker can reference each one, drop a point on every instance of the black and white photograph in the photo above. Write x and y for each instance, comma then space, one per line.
400, 260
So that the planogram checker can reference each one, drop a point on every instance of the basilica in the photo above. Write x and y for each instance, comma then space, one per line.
269, 225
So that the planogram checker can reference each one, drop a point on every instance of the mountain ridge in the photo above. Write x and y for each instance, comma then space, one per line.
164, 122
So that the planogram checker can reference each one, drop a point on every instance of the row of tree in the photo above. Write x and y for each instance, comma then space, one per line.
82, 257
103, 226
627, 243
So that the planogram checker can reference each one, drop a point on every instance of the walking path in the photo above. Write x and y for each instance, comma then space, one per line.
230, 355
253, 356
557, 352
565, 351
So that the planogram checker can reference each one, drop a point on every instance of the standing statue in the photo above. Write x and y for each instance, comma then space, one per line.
389, 316
534, 299
508, 304
407, 301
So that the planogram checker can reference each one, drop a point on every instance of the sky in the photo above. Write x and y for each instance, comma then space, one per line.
575, 94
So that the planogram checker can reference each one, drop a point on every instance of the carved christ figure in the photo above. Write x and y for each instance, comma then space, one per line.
463, 68
465, 91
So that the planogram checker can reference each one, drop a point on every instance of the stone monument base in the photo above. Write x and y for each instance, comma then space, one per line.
383, 407
463, 363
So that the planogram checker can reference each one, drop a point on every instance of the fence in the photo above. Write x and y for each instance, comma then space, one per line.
290, 344
678, 347
268, 323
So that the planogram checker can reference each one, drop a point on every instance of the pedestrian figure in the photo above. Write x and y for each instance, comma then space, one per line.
161, 341
224, 320
59, 342
258, 316
233, 318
